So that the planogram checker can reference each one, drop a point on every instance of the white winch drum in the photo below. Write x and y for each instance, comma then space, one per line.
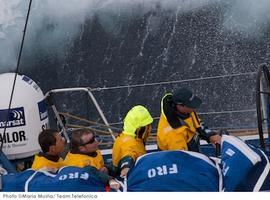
27, 116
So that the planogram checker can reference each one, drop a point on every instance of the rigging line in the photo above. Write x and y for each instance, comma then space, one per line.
228, 111
231, 129
17, 70
202, 113
171, 82
88, 121
90, 128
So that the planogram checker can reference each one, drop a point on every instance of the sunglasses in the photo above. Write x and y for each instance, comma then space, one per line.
93, 139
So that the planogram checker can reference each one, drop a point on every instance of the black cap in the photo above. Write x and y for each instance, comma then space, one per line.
185, 97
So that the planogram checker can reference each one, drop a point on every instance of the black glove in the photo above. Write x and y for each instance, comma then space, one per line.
205, 133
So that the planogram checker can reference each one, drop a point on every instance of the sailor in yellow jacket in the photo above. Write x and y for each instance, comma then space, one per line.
179, 126
52, 145
84, 151
130, 144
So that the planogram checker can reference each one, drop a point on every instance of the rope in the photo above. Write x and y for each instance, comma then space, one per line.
205, 113
171, 82
17, 71
90, 128
94, 129
228, 111
152, 136
88, 121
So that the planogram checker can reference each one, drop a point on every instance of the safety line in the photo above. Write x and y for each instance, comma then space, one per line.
171, 82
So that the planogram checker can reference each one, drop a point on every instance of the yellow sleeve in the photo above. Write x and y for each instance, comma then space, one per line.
129, 149
124, 146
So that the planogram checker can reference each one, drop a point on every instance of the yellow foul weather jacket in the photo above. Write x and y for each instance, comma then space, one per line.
82, 160
126, 146
173, 132
43, 162
130, 144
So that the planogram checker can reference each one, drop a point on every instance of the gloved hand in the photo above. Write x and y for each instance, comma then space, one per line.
114, 184
124, 172
104, 170
215, 139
